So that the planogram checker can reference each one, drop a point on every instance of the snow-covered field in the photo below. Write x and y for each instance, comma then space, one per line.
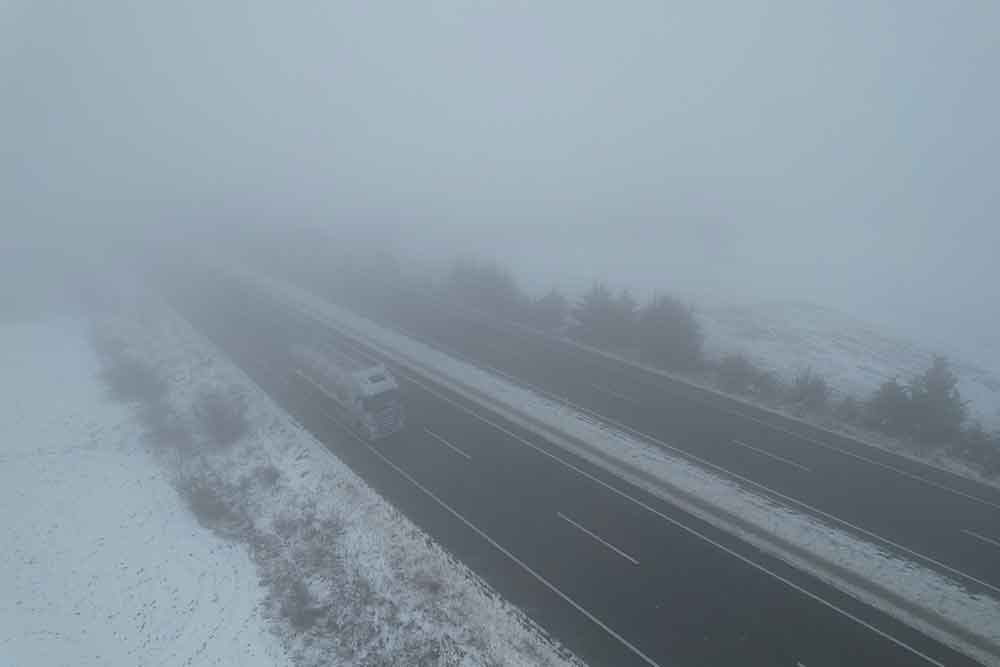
807, 540
107, 561
101, 563
349, 580
854, 357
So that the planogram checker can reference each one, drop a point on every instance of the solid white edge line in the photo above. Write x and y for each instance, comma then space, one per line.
753, 564
545, 582
759, 485
894, 469
446, 443
694, 457
698, 459
982, 538
598, 538
693, 531
749, 417
659, 373
812, 440
770, 455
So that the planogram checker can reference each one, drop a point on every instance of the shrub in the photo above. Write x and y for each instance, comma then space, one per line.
295, 525
603, 320
668, 333
164, 428
937, 407
222, 416
736, 374
211, 505
810, 391
768, 386
489, 286
627, 310
979, 448
132, 381
298, 605
550, 312
849, 410
266, 476
890, 409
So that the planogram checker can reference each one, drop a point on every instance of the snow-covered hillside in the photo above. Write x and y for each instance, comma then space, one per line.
101, 562
855, 357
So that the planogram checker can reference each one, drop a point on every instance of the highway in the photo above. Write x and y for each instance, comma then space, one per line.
940, 519
617, 575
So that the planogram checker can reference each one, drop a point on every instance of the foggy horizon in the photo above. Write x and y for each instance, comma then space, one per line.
285, 381
756, 152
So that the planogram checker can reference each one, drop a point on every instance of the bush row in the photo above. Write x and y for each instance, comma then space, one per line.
664, 331
927, 411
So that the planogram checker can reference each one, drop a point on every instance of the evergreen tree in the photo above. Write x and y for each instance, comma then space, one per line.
810, 390
669, 334
938, 408
596, 317
890, 409
489, 286
550, 311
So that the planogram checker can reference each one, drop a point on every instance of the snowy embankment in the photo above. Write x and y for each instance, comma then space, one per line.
939, 605
348, 579
788, 338
101, 562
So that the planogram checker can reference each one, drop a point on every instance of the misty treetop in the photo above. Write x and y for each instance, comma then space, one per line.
669, 334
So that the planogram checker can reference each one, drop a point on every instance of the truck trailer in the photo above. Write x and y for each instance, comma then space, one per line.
366, 392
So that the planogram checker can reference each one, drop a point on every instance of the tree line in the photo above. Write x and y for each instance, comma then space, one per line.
926, 411
664, 330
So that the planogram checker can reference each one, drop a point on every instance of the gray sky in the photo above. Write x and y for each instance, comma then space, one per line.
845, 153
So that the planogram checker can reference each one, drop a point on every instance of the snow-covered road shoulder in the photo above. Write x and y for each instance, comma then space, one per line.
102, 564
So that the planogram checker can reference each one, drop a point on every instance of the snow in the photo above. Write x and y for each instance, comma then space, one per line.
105, 564
895, 584
383, 591
789, 337
101, 563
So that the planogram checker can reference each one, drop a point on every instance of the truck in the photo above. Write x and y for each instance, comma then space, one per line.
365, 391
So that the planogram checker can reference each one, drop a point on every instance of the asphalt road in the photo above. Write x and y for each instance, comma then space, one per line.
944, 521
617, 575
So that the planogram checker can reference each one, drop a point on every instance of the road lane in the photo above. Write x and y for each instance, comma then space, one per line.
688, 602
913, 507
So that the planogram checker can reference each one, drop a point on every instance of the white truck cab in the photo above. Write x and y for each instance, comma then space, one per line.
366, 392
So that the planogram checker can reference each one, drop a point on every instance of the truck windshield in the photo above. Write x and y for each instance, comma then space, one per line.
381, 401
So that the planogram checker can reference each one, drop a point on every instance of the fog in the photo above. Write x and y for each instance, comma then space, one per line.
839, 153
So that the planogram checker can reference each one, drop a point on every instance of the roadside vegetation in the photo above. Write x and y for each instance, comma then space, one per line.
200, 440
925, 413
346, 580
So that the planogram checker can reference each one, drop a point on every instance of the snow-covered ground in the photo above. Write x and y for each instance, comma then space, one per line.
801, 537
349, 579
104, 561
101, 563
790, 337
